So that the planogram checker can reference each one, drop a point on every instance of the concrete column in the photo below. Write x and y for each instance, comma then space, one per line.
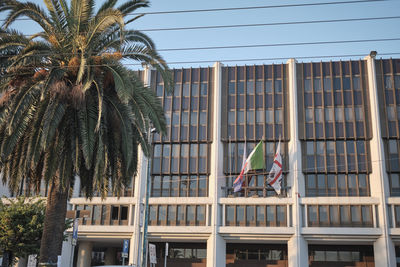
67, 252
384, 252
297, 246
216, 246
84, 254
140, 191
135, 249
216, 251
77, 187
110, 256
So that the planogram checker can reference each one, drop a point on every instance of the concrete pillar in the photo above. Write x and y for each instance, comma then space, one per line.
67, 252
110, 256
297, 246
297, 251
216, 251
216, 245
384, 253
84, 254
135, 247
77, 187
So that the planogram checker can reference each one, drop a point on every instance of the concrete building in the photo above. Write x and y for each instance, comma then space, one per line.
339, 126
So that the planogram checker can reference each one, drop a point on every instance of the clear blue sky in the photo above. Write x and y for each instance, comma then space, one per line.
376, 29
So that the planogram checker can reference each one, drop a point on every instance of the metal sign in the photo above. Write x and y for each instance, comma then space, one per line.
125, 249
75, 232
32, 260
152, 253
141, 214
166, 249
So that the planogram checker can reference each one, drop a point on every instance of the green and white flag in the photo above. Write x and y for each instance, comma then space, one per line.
255, 161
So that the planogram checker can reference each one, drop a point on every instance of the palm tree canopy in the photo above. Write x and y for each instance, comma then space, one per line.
69, 106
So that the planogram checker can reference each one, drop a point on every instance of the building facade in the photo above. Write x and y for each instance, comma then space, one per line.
339, 127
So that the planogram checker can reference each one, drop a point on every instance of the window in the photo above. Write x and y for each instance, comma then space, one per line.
339, 216
249, 215
340, 255
177, 215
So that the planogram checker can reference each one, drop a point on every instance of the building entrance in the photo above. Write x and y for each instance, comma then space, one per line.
256, 255
340, 256
182, 254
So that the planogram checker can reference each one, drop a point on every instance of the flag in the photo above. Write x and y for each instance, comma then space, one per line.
237, 184
275, 175
253, 162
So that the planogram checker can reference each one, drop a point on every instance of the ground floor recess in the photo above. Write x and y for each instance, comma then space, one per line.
194, 254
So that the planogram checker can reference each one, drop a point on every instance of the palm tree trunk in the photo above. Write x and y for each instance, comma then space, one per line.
54, 224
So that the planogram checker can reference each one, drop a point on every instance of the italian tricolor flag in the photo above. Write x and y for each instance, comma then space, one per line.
255, 161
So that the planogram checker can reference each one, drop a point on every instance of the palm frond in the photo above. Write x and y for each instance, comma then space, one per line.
81, 12
22, 102
103, 21
132, 5
10, 141
30, 10
132, 36
121, 82
148, 103
52, 117
121, 112
106, 5
87, 117
144, 54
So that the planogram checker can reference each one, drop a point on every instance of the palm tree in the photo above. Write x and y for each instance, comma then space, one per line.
70, 107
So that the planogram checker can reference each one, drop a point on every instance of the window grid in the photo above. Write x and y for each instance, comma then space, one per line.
256, 215
341, 88
336, 157
179, 186
339, 216
106, 214
177, 215
337, 185
180, 165
334, 127
388, 72
255, 97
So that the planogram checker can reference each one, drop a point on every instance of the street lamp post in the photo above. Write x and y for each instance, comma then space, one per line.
146, 208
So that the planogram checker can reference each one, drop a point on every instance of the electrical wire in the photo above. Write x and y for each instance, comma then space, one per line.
241, 8
267, 24
254, 7
271, 59
257, 24
244, 46
277, 44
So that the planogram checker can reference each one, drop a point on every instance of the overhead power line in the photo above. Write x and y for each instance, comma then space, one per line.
278, 44
259, 24
254, 7
272, 58
248, 46
267, 24
243, 8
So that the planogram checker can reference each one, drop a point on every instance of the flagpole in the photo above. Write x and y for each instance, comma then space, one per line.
246, 181
230, 158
